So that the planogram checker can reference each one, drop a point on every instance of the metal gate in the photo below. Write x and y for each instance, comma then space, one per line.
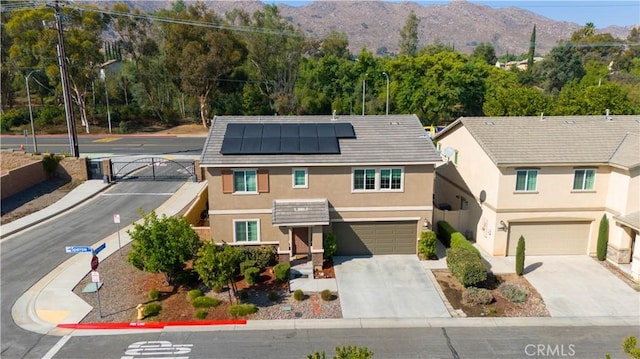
153, 169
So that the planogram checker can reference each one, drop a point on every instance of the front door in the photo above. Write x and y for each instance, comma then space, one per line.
300, 241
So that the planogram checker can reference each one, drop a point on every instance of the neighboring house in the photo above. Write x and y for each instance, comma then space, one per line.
549, 179
286, 181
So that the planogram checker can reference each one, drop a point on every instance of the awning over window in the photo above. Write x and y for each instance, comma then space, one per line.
311, 212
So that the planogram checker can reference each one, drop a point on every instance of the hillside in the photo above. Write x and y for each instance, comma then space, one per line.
377, 24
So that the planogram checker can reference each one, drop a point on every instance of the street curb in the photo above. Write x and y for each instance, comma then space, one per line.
149, 325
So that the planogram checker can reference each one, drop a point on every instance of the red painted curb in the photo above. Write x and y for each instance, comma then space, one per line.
149, 325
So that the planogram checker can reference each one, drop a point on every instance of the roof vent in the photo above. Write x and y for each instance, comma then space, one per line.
571, 122
490, 123
542, 116
394, 123
608, 116
333, 116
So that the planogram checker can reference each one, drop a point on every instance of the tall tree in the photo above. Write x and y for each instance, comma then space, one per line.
560, 66
532, 48
217, 265
202, 55
485, 52
409, 35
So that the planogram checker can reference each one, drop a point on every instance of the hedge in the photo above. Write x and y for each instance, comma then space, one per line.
251, 275
458, 240
445, 230
466, 266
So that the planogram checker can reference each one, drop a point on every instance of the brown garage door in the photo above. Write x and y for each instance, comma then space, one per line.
362, 238
546, 238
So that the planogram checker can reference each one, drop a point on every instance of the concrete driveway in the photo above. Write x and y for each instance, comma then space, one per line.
578, 286
386, 286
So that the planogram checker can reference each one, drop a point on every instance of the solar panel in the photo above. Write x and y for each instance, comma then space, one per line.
326, 130
308, 144
344, 130
290, 145
251, 145
271, 130
270, 145
328, 145
253, 130
284, 138
234, 130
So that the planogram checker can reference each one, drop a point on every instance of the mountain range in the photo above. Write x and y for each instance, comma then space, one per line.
376, 24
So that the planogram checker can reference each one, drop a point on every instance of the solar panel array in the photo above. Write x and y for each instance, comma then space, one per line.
284, 138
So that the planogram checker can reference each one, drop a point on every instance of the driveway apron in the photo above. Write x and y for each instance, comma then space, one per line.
578, 286
386, 286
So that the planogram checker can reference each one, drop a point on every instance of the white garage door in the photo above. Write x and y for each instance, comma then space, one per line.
544, 238
362, 238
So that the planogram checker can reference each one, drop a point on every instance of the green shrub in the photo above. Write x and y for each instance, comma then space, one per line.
603, 238
194, 293
50, 115
445, 230
217, 288
353, 352
473, 295
202, 313
263, 256
13, 117
298, 295
629, 347
251, 275
241, 310
124, 127
520, 256
427, 246
326, 295
272, 296
513, 293
329, 244
458, 240
154, 294
50, 163
152, 309
243, 294
466, 266
246, 264
205, 302
282, 272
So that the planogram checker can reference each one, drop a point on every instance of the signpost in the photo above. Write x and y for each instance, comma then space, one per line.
95, 278
116, 220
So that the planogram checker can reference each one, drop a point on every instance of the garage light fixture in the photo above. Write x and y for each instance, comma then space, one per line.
503, 226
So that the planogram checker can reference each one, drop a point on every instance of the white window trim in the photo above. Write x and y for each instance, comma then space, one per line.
293, 177
235, 239
244, 170
535, 190
584, 180
377, 181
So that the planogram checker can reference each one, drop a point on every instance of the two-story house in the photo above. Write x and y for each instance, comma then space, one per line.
286, 181
549, 179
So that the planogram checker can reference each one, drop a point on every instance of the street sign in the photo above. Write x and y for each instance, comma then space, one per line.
94, 262
116, 218
78, 249
99, 249
95, 277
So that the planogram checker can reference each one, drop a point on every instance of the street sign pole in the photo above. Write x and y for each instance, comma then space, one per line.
95, 278
116, 219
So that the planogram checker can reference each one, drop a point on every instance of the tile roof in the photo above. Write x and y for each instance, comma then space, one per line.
556, 139
380, 140
300, 212
631, 219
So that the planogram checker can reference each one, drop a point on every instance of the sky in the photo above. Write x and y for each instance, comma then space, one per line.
601, 13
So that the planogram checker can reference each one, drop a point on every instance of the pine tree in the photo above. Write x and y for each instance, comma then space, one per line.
409, 35
520, 256
532, 48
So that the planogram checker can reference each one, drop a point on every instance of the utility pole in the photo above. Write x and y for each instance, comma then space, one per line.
33, 130
62, 63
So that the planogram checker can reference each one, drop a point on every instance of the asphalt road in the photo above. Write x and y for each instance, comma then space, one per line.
475, 343
28, 256
109, 145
